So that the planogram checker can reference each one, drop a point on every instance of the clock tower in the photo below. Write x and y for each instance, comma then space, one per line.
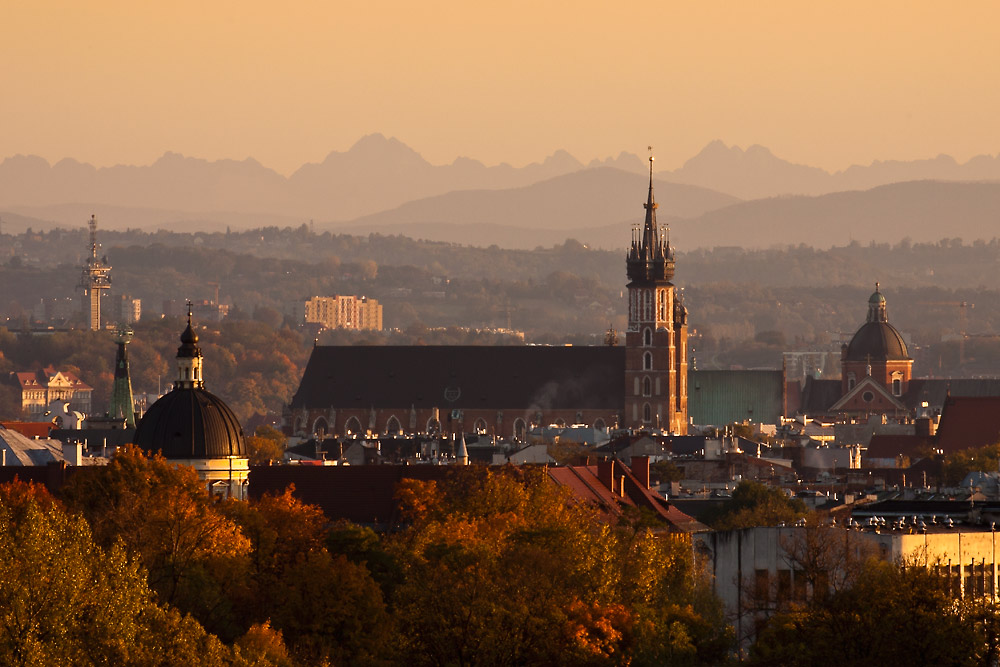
656, 339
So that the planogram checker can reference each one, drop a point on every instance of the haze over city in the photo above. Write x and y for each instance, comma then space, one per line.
374, 333
825, 84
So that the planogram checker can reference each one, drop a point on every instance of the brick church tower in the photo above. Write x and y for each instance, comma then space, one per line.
656, 340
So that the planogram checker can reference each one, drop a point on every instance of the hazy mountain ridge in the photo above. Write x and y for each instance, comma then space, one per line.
379, 175
587, 198
756, 173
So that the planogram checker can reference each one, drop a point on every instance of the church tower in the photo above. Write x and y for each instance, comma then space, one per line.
122, 403
656, 339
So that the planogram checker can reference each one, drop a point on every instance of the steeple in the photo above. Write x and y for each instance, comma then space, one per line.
650, 258
876, 307
189, 359
122, 404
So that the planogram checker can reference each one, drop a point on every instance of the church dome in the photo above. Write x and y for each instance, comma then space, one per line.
191, 423
877, 340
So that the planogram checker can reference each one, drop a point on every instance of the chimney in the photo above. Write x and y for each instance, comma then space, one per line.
73, 453
606, 473
640, 468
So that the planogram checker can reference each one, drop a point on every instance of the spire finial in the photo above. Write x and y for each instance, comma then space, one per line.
189, 306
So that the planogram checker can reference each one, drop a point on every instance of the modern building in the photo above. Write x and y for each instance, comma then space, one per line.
344, 312
505, 391
190, 426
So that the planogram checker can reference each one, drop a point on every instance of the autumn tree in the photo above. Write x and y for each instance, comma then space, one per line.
507, 568
195, 555
326, 607
65, 600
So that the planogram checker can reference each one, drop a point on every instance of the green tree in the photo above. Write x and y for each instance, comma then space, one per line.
756, 504
891, 615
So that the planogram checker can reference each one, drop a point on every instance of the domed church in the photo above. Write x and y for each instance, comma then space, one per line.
191, 426
875, 366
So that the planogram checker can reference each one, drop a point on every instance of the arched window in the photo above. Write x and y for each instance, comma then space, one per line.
647, 361
320, 426
393, 427
353, 426
647, 415
897, 387
647, 387
560, 423
300, 425
647, 337
851, 381
480, 426
519, 427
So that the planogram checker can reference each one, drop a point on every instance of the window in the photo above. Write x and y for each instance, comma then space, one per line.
519, 427
647, 337
647, 387
897, 387
851, 381
599, 424
353, 426
480, 426
393, 427
647, 361
320, 426
647, 415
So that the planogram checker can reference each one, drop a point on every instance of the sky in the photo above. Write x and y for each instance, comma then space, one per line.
828, 84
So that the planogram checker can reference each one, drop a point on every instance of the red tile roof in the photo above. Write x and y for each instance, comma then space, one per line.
969, 421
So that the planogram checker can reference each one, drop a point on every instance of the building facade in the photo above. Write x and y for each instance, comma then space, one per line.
39, 389
505, 391
344, 312
656, 339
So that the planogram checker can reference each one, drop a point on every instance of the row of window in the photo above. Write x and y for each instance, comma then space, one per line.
393, 426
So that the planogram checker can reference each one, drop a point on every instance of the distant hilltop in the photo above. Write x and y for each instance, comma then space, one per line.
382, 184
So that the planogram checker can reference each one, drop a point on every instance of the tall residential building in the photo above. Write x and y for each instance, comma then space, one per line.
344, 312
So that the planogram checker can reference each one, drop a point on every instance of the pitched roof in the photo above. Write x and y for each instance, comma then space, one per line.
889, 446
969, 421
463, 376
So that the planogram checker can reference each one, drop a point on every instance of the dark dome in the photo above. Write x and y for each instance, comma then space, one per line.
877, 341
191, 424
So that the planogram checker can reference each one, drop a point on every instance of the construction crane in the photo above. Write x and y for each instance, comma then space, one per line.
963, 321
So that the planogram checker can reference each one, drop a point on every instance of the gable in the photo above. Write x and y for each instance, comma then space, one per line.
881, 399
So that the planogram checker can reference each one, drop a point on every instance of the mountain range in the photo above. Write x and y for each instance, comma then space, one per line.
382, 185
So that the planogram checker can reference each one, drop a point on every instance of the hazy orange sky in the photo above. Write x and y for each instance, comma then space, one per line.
823, 83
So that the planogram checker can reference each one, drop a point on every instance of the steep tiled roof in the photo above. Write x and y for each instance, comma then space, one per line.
521, 377
889, 446
969, 421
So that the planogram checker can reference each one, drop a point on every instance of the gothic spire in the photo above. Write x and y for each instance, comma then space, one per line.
649, 257
649, 232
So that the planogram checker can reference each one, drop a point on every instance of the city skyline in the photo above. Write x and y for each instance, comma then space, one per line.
819, 84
